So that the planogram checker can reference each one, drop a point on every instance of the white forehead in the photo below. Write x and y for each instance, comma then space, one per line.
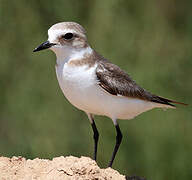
53, 35
65, 27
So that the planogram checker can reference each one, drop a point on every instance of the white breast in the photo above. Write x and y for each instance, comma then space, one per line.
79, 85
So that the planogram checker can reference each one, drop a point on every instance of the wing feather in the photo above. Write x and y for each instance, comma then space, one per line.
117, 82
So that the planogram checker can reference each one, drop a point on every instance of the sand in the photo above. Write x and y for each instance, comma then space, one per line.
65, 168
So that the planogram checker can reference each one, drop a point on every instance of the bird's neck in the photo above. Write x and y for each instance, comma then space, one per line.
65, 54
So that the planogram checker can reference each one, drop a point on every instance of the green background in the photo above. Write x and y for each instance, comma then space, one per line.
152, 40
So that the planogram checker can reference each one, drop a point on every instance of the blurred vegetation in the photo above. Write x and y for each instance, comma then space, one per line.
152, 40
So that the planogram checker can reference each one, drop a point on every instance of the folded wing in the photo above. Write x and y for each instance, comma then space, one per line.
117, 82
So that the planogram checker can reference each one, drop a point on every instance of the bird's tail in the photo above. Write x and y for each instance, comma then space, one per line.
165, 101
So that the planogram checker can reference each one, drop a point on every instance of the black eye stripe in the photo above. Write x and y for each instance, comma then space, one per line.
68, 36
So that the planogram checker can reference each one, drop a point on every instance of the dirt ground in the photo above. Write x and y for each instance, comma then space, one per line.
65, 168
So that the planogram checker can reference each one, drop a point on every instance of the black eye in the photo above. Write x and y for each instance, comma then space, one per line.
68, 36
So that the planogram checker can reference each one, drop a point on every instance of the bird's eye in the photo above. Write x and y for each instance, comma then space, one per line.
68, 36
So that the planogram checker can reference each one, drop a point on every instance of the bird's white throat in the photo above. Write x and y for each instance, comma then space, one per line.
65, 53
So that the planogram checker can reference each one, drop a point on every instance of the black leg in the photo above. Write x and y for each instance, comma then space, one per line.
118, 142
95, 135
96, 138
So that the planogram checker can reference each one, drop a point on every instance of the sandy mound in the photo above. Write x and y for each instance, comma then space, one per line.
65, 168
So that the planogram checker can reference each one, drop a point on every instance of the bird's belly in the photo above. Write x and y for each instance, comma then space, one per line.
80, 86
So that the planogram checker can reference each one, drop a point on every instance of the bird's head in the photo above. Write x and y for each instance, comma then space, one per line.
65, 37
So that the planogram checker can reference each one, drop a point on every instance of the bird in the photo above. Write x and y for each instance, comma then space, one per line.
93, 84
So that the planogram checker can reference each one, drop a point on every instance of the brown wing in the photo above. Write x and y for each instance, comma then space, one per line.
116, 82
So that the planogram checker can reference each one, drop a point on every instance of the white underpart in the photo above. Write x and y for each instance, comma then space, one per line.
80, 86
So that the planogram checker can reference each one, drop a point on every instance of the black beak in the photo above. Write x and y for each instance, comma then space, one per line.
44, 45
